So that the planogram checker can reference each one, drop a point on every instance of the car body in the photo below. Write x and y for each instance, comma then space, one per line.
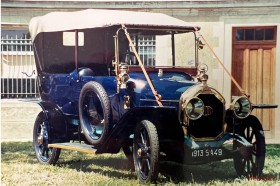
96, 91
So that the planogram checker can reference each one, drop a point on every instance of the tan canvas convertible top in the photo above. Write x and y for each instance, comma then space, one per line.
94, 18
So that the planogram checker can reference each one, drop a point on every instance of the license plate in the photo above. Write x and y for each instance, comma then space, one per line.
209, 152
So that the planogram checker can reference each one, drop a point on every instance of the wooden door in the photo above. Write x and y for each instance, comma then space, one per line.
253, 66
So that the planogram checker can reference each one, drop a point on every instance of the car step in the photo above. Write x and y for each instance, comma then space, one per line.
81, 147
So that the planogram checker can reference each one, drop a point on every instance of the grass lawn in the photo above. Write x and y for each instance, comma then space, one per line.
20, 167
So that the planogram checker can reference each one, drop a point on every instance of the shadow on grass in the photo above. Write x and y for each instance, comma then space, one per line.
112, 167
203, 174
119, 167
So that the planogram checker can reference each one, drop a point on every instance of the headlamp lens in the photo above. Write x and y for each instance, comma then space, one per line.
194, 108
242, 107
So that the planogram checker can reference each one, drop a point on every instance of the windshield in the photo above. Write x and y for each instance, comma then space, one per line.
157, 50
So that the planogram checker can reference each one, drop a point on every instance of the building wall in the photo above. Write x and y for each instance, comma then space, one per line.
215, 17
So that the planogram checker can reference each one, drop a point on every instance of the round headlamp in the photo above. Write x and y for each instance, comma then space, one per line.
194, 108
241, 107
124, 78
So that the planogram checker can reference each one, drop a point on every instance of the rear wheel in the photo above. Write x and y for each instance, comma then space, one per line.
41, 139
253, 164
146, 151
94, 112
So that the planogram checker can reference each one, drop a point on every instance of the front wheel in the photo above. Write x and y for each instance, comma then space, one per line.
253, 164
146, 151
41, 139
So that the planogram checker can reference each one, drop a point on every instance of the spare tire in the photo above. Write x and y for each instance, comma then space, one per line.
94, 112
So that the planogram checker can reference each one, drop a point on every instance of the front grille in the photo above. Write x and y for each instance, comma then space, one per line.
208, 126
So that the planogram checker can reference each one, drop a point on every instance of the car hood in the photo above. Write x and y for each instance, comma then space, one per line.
169, 87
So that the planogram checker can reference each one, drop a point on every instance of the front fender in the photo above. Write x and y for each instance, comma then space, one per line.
164, 118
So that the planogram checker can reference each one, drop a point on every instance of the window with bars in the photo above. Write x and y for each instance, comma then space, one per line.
146, 46
18, 75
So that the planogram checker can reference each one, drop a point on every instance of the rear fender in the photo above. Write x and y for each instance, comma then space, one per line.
55, 119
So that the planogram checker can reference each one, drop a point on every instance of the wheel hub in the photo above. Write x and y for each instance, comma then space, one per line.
142, 152
40, 140
43, 136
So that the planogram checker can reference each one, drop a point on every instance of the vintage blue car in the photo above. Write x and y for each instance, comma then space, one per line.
100, 92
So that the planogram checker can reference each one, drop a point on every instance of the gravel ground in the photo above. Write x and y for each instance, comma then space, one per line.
17, 119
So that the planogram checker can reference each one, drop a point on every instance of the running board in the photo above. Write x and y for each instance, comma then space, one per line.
74, 146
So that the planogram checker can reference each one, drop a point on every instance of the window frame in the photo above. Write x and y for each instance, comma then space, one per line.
254, 41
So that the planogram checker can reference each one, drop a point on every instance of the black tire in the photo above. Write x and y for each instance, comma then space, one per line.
146, 152
41, 139
252, 165
94, 112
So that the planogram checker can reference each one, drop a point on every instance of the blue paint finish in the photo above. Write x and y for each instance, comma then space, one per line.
170, 86
64, 90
